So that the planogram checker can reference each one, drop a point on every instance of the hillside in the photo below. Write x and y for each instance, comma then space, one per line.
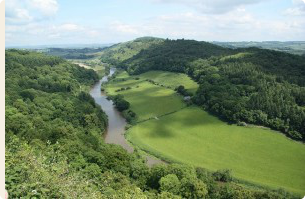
251, 85
54, 146
172, 55
123, 51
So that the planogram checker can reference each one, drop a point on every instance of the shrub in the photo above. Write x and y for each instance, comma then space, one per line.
222, 175
170, 183
120, 103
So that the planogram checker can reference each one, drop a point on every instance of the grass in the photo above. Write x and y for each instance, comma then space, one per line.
194, 137
171, 79
190, 135
147, 100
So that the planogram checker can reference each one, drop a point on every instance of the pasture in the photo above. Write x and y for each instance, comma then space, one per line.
194, 137
168, 129
146, 99
171, 79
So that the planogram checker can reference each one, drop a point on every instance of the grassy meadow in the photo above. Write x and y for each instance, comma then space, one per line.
146, 99
194, 137
171, 79
190, 135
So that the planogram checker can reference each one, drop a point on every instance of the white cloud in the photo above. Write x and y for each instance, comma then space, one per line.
45, 7
16, 13
30, 22
38, 33
17, 16
71, 31
232, 26
298, 8
124, 28
70, 27
212, 6
27, 11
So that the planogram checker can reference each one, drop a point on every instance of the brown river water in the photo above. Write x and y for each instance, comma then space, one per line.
116, 123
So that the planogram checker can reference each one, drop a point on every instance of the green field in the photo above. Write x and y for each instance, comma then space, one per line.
192, 136
147, 100
171, 79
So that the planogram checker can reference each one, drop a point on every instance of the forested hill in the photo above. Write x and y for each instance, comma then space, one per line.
172, 55
54, 147
251, 85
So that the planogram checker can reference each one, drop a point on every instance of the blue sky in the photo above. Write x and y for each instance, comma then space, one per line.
46, 22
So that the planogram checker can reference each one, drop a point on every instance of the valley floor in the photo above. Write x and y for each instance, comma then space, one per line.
166, 127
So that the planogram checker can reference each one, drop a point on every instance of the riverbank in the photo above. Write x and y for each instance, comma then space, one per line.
115, 133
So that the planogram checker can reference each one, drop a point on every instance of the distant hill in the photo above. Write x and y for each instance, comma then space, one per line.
253, 85
293, 47
66, 46
77, 53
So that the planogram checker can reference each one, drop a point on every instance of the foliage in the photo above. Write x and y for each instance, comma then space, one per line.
53, 133
170, 183
222, 175
181, 90
130, 116
120, 103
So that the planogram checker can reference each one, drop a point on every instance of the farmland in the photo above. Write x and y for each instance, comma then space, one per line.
147, 100
194, 137
169, 129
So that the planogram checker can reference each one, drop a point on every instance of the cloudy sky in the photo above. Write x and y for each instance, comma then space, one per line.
45, 22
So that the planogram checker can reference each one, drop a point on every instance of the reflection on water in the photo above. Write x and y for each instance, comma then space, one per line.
116, 123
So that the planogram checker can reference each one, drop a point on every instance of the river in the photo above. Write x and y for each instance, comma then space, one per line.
116, 123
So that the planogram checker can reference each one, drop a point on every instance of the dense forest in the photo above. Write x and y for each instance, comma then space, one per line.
244, 86
54, 147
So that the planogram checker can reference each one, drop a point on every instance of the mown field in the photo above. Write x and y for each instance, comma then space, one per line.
146, 99
171, 79
192, 136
